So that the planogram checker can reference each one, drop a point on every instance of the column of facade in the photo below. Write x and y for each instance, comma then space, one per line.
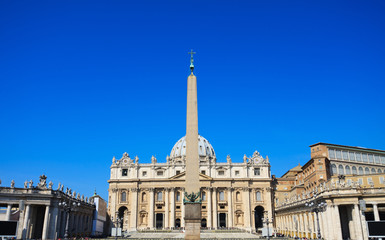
8, 213
230, 207
247, 207
357, 221
310, 224
172, 217
45, 224
182, 211
209, 209
306, 224
363, 224
215, 211
166, 214
134, 208
300, 227
26, 221
337, 223
375, 212
152, 208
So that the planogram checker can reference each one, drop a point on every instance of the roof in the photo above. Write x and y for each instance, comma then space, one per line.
347, 147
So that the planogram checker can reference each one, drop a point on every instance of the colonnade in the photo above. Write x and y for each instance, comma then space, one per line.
336, 222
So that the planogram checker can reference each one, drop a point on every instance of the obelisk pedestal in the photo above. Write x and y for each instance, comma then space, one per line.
192, 199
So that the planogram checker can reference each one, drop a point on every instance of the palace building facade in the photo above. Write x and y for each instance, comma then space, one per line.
334, 195
150, 196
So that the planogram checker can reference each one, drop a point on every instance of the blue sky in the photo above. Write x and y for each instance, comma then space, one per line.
83, 81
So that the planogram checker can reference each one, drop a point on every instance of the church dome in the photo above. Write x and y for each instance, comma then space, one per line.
205, 148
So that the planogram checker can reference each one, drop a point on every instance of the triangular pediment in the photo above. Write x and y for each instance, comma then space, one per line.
182, 176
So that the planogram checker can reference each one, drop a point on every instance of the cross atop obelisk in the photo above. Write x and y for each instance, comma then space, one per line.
192, 60
192, 198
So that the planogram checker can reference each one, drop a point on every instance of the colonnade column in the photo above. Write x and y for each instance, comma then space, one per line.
337, 223
8, 213
172, 217
375, 211
209, 211
166, 214
134, 208
182, 212
357, 221
46, 221
246, 207
215, 212
26, 221
152, 205
230, 206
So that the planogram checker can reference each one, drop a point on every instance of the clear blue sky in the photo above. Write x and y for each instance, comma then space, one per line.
83, 81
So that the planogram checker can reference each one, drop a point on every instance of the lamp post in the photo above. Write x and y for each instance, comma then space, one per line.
317, 205
68, 206
117, 222
266, 220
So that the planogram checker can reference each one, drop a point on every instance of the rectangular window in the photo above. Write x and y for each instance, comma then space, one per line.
236, 173
159, 173
124, 172
203, 207
177, 172
221, 196
338, 154
345, 155
383, 159
360, 181
203, 172
221, 173
382, 180
332, 154
351, 156
349, 181
371, 159
177, 196
377, 159
358, 157
144, 173
159, 196
203, 196
365, 157
177, 207
257, 171
370, 181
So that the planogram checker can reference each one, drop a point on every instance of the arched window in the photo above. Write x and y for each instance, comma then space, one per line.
347, 170
379, 171
258, 196
360, 171
177, 196
367, 172
123, 197
354, 170
221, 196
341, 170
159, 196
144, 197
373, 171
238, 196
334, 169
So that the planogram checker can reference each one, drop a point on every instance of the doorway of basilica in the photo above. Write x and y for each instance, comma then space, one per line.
159, 220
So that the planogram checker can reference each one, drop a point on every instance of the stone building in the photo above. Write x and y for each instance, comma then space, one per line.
346, 182
41, 211
149, 196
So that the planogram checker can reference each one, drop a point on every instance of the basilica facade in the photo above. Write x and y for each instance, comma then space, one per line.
150, 195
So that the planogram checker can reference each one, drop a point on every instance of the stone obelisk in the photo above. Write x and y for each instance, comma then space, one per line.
192, 198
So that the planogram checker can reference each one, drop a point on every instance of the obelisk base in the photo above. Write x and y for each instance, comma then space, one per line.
192, 221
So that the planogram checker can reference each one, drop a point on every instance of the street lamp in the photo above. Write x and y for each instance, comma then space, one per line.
317, 206
117, 222
266, 220
68, 206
